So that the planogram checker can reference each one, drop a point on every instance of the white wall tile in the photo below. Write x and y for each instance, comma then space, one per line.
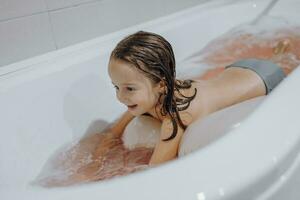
25, 37
95, 19
58, 4
16, 8
171, 6
26, 29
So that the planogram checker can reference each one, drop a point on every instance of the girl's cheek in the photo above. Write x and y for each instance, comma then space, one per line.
137, 98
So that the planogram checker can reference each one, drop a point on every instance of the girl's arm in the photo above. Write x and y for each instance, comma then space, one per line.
166, 150
117, 128
104, 142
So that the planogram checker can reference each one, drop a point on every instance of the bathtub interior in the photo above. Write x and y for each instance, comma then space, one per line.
55, 101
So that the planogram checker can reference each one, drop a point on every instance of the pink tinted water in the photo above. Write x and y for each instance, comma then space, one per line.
252, 41
77, 164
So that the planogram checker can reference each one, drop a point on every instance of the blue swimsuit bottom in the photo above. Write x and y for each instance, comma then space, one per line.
269, 72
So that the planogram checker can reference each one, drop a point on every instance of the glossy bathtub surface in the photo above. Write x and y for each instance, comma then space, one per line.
205, 131
53, 99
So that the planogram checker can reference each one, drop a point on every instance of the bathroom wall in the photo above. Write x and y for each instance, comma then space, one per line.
33, 27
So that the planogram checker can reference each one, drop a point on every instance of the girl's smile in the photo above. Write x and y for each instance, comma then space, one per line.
132, 107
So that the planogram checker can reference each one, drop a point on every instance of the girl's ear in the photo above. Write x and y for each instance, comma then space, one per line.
162, 87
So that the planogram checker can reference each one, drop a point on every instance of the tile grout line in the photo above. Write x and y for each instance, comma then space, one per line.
51, 26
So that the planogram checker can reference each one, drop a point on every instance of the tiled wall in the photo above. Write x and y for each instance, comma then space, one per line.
33, 27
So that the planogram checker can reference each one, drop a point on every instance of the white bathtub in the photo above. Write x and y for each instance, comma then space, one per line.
50, 100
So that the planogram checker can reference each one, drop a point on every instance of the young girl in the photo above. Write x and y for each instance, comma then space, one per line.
142, 70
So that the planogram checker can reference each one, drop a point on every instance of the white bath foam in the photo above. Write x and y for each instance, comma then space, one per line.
142, 131
190, 68
265, 27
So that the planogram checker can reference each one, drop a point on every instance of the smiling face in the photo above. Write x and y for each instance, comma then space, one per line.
136, 91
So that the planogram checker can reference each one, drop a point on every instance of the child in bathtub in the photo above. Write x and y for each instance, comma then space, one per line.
142, 71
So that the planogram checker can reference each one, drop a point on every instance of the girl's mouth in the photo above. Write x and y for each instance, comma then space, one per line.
132, 106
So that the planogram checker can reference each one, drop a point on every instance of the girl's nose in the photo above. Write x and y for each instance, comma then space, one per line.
121, 97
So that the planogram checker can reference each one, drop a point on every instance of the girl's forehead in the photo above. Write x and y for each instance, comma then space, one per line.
122, 72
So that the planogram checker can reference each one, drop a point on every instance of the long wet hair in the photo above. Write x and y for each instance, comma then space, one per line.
153, 56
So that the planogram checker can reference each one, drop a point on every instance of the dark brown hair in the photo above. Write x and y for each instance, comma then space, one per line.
153, 55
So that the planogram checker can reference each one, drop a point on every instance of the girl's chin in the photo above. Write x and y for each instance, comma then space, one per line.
136, 112
133, 111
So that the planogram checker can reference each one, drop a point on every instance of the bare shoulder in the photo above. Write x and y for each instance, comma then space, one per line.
167, 130
186, 117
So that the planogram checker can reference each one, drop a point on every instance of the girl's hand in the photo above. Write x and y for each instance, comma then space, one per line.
107, 141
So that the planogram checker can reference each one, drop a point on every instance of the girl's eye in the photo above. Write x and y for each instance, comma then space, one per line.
116, 87
130, 89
